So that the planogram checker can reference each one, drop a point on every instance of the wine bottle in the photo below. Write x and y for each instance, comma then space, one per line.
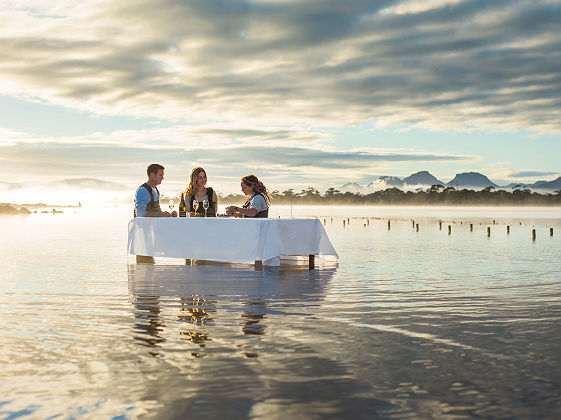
182, 207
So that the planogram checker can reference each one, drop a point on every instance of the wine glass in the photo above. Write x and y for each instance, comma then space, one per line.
171, 204
205, 206
195, 206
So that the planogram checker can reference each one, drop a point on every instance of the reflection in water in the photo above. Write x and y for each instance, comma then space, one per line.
147, 312
254, 313
194, 296
195, 311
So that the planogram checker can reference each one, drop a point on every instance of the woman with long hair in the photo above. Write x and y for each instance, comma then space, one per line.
197, 191
258, 199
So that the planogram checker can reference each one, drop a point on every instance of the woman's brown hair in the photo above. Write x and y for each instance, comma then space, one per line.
257, 186
193, 181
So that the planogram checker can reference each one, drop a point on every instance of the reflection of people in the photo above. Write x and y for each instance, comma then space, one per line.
257, 204
249, 298
147, 198
198, 191
253, 315
146, 308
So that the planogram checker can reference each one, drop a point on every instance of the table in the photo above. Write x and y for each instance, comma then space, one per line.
231, 240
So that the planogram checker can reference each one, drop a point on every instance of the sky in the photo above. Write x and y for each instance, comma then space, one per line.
300, 93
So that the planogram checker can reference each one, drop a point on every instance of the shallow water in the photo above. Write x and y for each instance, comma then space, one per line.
409, 324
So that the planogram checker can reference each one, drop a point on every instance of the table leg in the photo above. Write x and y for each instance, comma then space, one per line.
143, 259
311, 261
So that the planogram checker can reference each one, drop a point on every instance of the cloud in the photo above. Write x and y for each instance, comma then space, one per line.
127, 163
446, 65
531, 174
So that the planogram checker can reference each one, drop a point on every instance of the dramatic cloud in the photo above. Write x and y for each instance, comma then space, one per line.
434, 64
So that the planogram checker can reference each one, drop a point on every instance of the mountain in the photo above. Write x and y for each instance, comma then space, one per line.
351, 187
471, 180
384, 182
422, 178
554, 185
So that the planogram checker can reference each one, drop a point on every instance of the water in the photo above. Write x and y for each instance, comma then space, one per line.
409, 324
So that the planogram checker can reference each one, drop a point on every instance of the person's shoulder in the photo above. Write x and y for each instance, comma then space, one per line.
258, 198
142, 191
213, 193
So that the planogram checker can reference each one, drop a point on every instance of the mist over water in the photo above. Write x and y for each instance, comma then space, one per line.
408, 324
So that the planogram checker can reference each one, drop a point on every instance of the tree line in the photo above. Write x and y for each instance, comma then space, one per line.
435, 195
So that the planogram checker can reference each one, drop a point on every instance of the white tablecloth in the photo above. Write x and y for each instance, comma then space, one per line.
228, 239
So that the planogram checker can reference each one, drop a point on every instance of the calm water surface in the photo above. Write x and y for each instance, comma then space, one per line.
409, 324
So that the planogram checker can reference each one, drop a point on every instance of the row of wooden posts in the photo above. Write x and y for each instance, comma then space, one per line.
347, 221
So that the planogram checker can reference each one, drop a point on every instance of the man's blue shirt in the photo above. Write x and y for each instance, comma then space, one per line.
142, 200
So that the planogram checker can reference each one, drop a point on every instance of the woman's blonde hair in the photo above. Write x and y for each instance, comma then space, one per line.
257, 186
193, 180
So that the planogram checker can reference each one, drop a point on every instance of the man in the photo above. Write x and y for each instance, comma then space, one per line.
147, 199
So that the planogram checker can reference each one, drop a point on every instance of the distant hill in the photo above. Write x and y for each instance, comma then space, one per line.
554, 185
77, 183
471, 180
92, 184
422, 178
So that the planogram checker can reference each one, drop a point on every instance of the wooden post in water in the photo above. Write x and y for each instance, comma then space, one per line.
488, 232
417, 227
449, 230
343, 222
311, 261
258, 265
533, 234
440, 225
471, 227
507, 230
389, 225
413, 223
368, 222
550, 231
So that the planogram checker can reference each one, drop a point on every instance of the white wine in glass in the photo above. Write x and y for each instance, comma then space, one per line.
205, 206
171, 205
195, 206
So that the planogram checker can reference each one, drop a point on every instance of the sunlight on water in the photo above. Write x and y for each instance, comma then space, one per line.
411, 323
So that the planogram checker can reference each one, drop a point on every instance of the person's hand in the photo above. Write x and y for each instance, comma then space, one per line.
192, 214
231, 210
174, 214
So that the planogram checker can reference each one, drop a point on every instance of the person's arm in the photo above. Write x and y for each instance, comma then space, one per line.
142, 200
246, 212
235, 211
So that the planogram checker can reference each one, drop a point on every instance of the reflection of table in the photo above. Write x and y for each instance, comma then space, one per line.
227, 239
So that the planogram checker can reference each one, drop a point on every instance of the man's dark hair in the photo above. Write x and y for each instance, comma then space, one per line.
153, 169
